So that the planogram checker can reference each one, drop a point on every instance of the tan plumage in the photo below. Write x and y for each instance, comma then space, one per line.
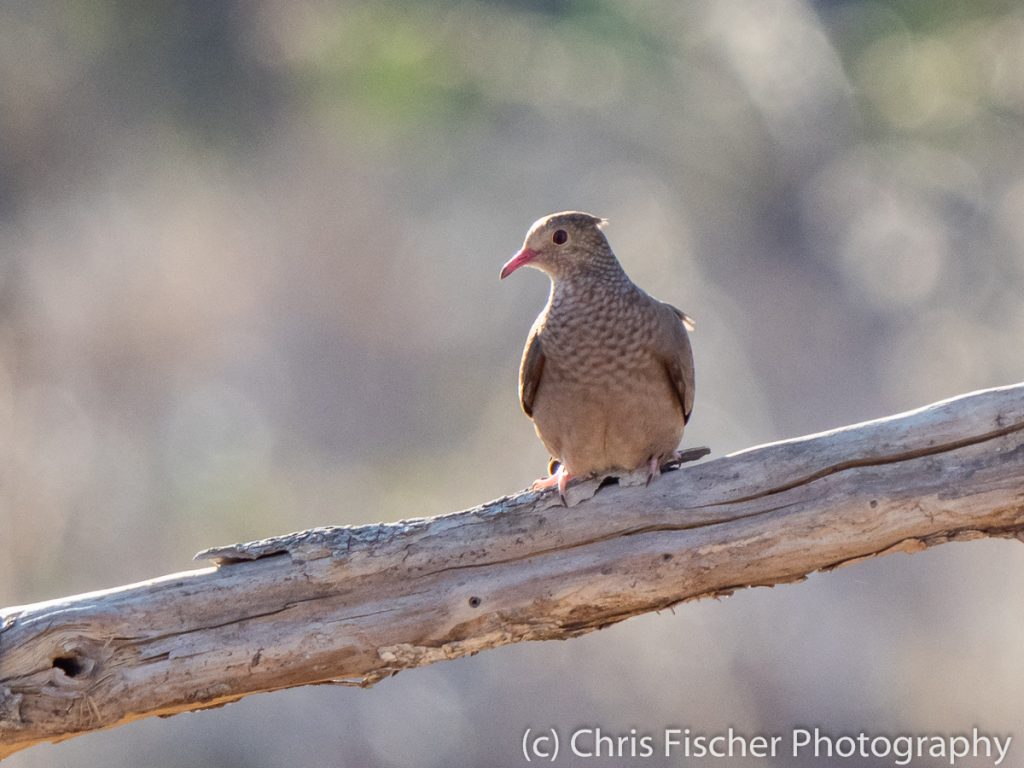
607, 372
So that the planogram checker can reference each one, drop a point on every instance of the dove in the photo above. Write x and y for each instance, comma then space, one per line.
607, 371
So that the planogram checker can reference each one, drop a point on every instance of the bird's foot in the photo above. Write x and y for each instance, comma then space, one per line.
675, 459
543, 483
657, 464
559, 479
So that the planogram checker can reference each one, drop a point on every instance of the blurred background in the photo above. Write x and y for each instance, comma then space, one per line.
248, 284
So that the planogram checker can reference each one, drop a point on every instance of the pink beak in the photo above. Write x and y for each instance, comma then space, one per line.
525, 256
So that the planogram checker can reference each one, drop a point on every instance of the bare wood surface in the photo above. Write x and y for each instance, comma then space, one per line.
360, 603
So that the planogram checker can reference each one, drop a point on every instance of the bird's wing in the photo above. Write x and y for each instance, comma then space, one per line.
530, 369
673, 345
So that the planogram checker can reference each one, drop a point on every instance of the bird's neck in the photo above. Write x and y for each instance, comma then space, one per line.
596, 275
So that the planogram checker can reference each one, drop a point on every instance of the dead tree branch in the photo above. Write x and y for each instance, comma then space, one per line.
359, 604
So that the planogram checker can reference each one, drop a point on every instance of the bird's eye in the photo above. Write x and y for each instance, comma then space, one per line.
559, 237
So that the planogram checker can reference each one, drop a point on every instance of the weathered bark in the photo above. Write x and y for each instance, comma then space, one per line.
358, 604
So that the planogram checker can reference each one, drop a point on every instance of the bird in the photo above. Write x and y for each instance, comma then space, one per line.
607, 370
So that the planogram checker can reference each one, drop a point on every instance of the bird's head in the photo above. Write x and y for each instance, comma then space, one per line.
564, 244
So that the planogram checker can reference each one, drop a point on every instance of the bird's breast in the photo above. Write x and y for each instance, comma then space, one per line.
582, 346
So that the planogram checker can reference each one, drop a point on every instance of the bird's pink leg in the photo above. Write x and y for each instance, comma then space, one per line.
653, 468
560, 479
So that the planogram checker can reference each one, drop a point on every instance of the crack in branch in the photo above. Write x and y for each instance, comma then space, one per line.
876, 461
